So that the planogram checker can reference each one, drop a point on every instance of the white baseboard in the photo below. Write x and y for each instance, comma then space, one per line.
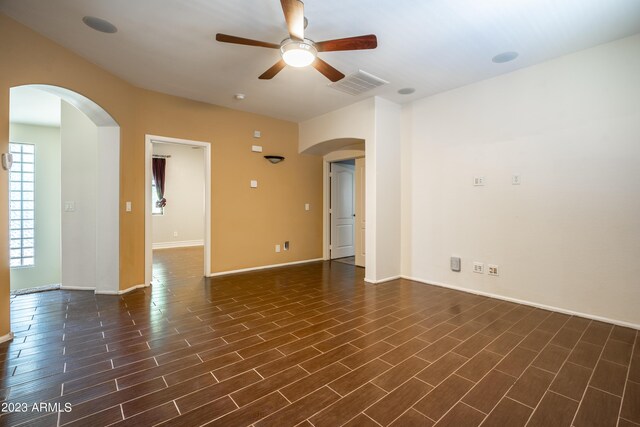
387, 279
529, 303
122, 292
182, 244
263, 267
44, 288
7, 337
76, 288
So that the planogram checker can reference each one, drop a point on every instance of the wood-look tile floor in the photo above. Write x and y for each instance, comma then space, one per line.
310, 345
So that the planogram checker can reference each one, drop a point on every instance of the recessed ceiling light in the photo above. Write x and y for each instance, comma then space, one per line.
504, 57
100, 24
406, 91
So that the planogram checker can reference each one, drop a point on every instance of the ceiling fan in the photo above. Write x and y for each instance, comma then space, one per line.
297, 51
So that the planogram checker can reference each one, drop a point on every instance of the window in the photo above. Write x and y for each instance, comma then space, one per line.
22, 206
155, 210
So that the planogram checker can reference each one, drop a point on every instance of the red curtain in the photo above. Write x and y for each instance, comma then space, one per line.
158, 167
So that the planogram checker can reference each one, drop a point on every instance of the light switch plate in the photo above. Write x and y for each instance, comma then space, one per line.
128, 206
307, 206
254, 183
257, 134
478, 180
256, 148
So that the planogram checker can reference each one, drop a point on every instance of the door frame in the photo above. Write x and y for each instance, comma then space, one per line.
335, 156
148, 245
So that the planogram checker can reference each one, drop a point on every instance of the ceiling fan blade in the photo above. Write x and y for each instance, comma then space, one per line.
225, 38
327, 70
294, 15
350, 43
271, 72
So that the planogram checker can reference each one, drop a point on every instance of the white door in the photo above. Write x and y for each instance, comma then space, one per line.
359, 222
342, 210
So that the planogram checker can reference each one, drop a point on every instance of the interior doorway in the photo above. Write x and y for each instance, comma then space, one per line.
342, 209
183, 222
66, 152
346, 211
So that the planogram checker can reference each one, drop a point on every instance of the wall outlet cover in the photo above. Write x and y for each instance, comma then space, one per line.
455, 263
493, 270
253, 183
256, 148
257, 134
478, 180
478, 267
515, 180
277, 248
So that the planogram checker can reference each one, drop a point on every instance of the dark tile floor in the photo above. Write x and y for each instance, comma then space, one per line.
351, 260
309, 345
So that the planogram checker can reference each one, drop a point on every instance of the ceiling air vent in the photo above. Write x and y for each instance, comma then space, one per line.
358, 83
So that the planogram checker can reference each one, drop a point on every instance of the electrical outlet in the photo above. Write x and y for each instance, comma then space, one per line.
277, 248
175, 234
492, 270
478, 267
478, 180
515, 180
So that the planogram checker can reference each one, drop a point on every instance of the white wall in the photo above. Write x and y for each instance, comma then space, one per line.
386, 178
353, 121
569, 235
47, 215
79, 138
184, 191
108, 213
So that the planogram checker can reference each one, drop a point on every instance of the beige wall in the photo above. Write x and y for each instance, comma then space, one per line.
245, 223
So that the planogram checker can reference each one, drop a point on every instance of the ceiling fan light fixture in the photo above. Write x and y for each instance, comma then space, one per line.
298, 54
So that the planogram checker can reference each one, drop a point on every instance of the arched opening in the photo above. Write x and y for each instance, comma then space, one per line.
343, 237
64, 192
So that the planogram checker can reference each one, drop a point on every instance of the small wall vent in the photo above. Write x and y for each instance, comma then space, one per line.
357, 83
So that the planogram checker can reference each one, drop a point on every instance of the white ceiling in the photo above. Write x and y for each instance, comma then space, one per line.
431, 45
34, 107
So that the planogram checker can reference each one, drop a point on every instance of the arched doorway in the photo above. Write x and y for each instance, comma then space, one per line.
86, 201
